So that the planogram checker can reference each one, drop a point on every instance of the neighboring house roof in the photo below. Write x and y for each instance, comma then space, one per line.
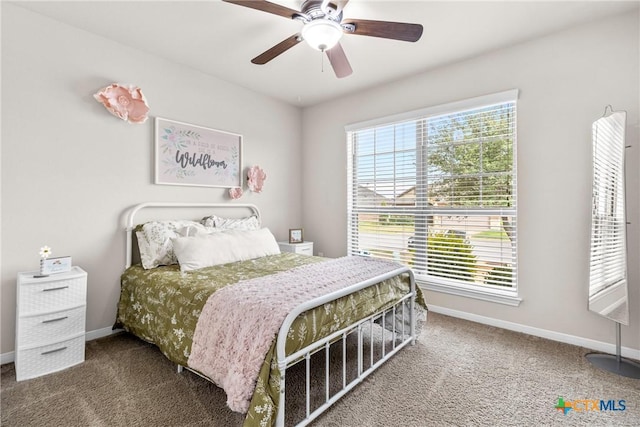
402, 196
365, 193
409, 192
407, 197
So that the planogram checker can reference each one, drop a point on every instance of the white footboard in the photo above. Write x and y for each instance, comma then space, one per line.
399, 339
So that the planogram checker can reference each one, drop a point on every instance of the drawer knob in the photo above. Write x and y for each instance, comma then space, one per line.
55, 289
55, 320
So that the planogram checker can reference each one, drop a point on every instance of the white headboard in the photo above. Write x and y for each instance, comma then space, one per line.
133, 211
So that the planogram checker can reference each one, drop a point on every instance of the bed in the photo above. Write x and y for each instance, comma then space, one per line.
242, 324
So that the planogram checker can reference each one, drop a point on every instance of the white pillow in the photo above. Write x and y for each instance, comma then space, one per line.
154, 240
206, 250
246, 223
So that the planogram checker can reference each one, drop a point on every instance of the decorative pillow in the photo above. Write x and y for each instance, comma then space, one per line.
246, 223
154, 240
206, 250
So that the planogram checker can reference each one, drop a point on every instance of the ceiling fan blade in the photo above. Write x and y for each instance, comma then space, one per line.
265, 6
387, 30
339, 61
283, 46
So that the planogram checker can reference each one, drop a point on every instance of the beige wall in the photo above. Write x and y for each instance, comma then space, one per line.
70, 169
565, 81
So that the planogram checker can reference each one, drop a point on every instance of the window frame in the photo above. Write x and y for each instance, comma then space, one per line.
440, 284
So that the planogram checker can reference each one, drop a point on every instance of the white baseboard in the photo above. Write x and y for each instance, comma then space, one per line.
99, 333
542, 333
7, 357
91, 335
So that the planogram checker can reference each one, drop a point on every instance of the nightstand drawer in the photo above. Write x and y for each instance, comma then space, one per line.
49, 358
305, 250
52, 295
53, 327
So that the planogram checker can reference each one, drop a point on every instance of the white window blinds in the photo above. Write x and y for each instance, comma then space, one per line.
436, 190
608, 263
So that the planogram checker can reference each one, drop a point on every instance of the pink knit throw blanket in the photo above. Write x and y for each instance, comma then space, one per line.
239, 322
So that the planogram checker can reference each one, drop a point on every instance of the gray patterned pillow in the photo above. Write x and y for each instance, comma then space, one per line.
154, 240
246, 223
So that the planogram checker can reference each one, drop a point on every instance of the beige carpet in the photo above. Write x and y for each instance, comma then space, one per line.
459, 374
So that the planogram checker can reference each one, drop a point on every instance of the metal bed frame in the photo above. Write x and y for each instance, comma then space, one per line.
407, 302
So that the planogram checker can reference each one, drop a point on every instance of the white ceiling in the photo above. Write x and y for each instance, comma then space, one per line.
220, 39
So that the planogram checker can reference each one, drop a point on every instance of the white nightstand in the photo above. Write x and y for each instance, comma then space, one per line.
50, 322
304, 248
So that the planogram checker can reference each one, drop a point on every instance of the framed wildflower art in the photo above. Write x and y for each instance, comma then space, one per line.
194, 155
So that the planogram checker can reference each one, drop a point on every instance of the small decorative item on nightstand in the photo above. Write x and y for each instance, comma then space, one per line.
295, 235
60, 264
305, 248
49, 266
45, 251
50, 322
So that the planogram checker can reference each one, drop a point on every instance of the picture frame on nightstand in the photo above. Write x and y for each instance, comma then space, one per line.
295, 235
55, 265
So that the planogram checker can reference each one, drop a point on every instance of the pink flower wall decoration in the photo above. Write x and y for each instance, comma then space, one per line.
256, 178
124, 101
235, 192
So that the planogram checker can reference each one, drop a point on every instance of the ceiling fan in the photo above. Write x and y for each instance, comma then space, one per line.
323, 26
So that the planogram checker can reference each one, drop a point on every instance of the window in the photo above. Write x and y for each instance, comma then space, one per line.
435, 189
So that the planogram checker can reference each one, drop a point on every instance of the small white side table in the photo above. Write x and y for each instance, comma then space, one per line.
50, 322
304, 248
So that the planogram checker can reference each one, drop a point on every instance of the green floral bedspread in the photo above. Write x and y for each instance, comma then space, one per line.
162, 306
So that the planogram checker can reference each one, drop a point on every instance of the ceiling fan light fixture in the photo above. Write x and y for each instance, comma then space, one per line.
322, 34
